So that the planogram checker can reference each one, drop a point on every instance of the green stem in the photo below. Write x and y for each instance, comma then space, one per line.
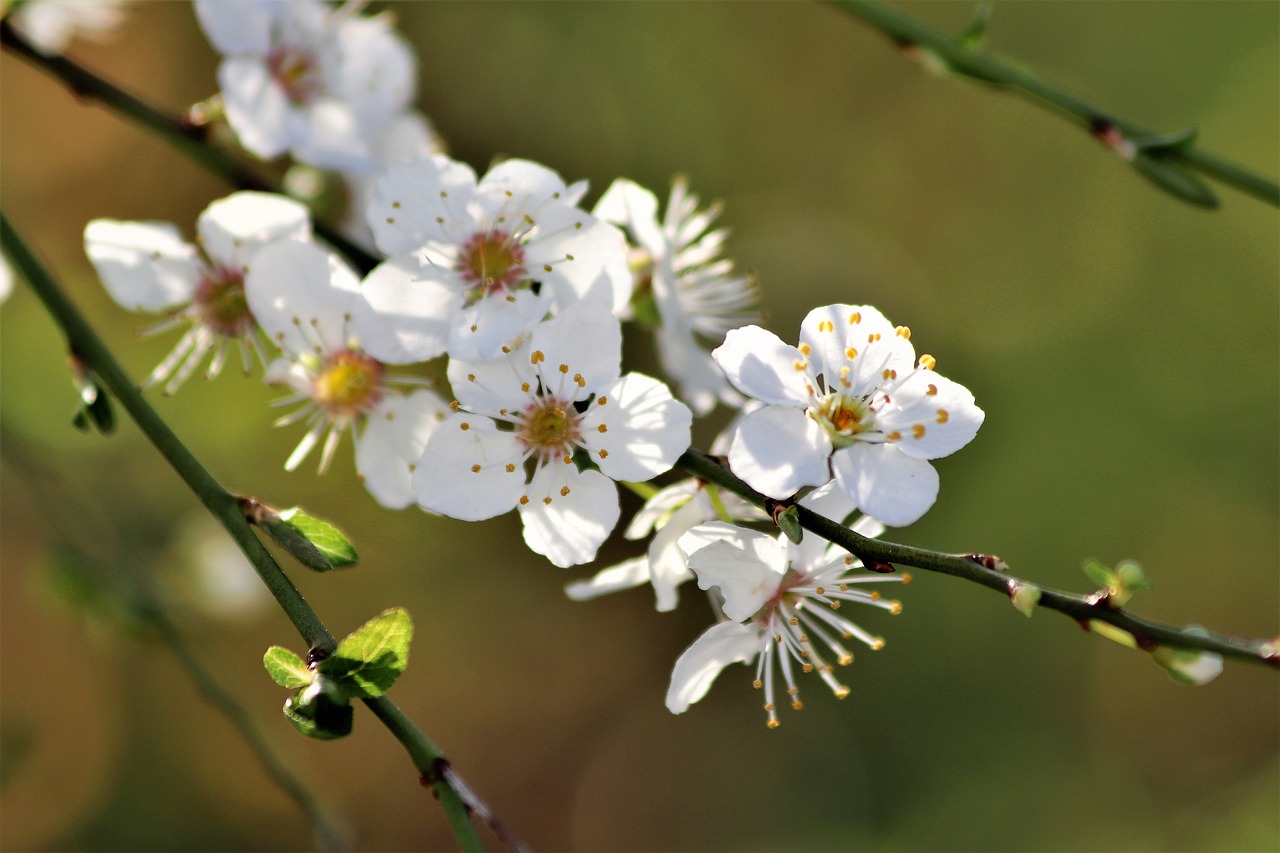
89, 349
990, 572
966, 59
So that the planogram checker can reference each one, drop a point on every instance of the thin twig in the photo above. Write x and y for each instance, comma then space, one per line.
965, 57
88, 348
990, 571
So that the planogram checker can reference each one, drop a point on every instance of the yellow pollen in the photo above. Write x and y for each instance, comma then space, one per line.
873, 337
932, 391
602, 428
835, 605
464, 426
524, 499
793, 621
471, 377
902, 332
893, 436
942, 416
844, 587
851, 353
600, 401
805, 349
455, 405
757, 684
546, 267
604, 454
822, 590
927, 361
568, 460
848, 561
877, 644
896, 608
511, 468
845, 659
564, 491
547, 500
440, 220
798, 365
579, 381
773, 724
918, 431
475, 469
536, 357
564, 368
889, 374
842, 692
906, 578
855, 318
524, 386
826, 326
875, 596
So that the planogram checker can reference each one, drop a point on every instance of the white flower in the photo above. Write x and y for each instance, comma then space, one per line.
6, 278
50, 25
561, 393
304, 297
850, 402
146, 266
475, 264
693, 287
405, 138
784, 602
305, 78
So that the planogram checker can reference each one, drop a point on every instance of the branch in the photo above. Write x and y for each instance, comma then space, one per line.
990, 572
191, 140
1150, 153
88, 349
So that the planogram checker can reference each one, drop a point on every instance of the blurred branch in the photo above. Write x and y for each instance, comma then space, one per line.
192, 140
1157, 157
990, 571
88, 348
327, 834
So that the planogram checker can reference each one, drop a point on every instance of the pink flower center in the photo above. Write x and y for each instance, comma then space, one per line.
220, 302
349, 384
491, 261
549, 427
297, 72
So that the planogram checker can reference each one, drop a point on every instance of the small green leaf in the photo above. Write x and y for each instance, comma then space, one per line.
1174, 180
369, 660
976, 33
1099, 574
1131, 577
315, 543
1175, 141
1025, 597
95, 409
286, 668
1192, 667
318, 715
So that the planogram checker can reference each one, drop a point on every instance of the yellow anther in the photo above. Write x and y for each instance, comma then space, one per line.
564, 491
547, 500
928, 362
511, 468
757, 684
524, 499
877, 644
524, 386
875, 596
826, 326
918, 431
889, 374
536, 357
895, 608
475, 469
855, 318
845, 659
564, 368
906, 578
805, 349
464, 426
851, 353
602, 428
873, 337
842, 692
902, 332
579, 381
471, 377
600, 401
568, 460
932, 390
893, 436
942, 416
604, 454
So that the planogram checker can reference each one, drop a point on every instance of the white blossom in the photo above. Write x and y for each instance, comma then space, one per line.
849, 401
561, 394
305, 78
146, 266
304, 297
693, 288
783, 603
50, 25
474, 264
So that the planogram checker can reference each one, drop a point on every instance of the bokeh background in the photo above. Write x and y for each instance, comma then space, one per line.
1123, 345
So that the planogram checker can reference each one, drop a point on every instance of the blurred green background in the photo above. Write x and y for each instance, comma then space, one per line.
1123, 345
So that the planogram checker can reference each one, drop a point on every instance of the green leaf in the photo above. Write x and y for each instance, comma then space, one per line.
1174, 180
315, 543
1099, 574
369, 660
286, 668
1175, 141
789, 522
317, 715
95, 409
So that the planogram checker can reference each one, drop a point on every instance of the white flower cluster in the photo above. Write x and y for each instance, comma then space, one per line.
524, 291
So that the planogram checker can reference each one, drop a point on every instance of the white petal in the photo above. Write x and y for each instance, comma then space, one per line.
935, 416
747, 566
301, 295
569, 513
659, 508
831, 330
377, 68
257, 109
446, 478
586, 339
587, 260
625, 575
145, 266
776, 450
332, 137
243, 27
701, 381
408, 204
668, 567
886, 483
633, 208
483, 329
696, 669
394, 436
832, 502
761, 366
492, 385
521, 183
639, 431
232, 229
404, 312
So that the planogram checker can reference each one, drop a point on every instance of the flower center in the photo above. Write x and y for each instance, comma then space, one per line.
221, 305
297, 72
549, 427
491, 261
843, 417
349, 384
